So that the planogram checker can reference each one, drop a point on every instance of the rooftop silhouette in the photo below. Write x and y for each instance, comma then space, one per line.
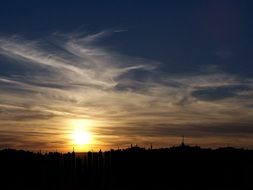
178, 167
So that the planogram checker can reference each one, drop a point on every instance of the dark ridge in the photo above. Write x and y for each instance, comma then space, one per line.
176, 168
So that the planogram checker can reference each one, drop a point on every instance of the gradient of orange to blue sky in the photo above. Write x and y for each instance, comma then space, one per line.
107, 74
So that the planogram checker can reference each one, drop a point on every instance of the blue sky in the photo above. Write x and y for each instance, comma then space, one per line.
137, 72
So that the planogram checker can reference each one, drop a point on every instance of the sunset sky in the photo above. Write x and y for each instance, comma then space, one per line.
103, 74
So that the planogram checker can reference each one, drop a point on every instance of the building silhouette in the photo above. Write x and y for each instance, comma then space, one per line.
131, 168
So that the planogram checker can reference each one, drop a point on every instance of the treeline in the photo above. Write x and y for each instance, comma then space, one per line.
179, 168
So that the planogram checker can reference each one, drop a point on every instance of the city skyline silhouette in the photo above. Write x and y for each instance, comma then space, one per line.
179, 167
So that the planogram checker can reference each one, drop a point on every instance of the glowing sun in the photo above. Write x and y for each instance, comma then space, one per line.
81, 137
80, 132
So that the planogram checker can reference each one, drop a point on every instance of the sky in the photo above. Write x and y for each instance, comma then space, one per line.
106, 74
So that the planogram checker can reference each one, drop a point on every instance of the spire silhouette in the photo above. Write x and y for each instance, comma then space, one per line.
183, 144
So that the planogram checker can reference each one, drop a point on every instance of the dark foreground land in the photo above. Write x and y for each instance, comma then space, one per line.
180, 167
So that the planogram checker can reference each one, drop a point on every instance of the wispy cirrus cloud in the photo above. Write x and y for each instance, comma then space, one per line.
84, 68
71, 76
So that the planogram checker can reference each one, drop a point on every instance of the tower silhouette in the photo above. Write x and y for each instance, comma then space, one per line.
182, 144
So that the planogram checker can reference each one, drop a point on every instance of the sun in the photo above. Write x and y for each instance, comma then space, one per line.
81, 137
81, 134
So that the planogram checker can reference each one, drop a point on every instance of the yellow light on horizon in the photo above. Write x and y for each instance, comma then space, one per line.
81, 135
